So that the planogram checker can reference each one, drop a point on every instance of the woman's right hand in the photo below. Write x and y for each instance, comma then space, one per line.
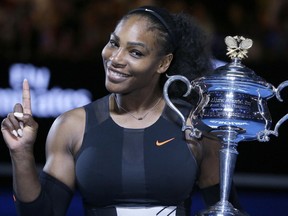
19, 129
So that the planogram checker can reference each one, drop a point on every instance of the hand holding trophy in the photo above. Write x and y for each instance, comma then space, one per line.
233, 103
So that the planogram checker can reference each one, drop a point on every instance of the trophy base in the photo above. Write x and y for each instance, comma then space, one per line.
222, 208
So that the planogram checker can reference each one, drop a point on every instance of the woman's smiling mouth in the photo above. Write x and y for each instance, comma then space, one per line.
116, 76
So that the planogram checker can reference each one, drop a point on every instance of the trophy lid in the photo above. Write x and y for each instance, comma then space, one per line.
235, 76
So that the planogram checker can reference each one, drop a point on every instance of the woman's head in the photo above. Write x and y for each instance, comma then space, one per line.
132, 58
176, 38
161, 22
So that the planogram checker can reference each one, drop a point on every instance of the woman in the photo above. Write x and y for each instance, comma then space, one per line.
125, 152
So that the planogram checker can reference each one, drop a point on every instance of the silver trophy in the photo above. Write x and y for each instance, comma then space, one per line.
233, 103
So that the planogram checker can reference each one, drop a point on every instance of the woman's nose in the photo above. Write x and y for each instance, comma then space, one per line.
118, 58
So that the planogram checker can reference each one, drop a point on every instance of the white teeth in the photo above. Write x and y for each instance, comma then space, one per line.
119, 74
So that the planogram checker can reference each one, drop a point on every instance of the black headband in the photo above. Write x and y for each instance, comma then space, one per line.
156, 13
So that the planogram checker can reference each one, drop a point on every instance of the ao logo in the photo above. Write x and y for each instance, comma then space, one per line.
45, 102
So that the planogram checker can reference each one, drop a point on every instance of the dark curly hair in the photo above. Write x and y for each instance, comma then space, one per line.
181, 35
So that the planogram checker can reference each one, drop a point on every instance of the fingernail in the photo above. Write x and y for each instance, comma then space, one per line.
21, 125
20, 132
15, 133
18, 114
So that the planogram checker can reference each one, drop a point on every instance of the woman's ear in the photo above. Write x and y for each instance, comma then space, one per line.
165, 63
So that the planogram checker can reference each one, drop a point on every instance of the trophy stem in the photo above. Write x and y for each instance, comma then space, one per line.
228, 157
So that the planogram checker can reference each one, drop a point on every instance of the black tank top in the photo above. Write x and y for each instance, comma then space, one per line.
120, 166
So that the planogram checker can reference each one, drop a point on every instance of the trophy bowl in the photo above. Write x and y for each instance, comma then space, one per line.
233, 104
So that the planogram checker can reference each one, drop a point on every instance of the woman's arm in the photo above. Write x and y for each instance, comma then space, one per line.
19, 131
36, 196
209, 164
58, 177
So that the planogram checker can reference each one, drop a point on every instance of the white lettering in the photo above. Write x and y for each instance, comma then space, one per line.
45, 103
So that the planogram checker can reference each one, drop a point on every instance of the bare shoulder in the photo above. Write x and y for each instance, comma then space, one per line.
63, 141
67, 130
71, 116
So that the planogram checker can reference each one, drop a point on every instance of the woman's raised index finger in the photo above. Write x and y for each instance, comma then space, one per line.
26, 98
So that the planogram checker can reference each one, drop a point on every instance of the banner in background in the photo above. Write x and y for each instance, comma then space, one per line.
46, 102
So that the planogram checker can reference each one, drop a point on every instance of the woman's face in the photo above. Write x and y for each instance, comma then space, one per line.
131, 58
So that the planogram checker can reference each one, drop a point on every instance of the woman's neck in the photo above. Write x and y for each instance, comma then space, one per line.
136, 112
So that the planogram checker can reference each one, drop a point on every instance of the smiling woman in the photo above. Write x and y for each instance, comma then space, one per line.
132, 60
125, 152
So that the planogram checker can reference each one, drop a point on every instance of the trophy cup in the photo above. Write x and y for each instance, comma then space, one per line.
233, 103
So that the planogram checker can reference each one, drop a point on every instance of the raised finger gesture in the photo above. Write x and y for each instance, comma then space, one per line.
19, 128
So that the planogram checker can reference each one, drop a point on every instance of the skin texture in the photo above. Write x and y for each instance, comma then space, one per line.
133, 65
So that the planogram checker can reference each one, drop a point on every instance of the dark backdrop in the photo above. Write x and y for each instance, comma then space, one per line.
67, 37
254, 157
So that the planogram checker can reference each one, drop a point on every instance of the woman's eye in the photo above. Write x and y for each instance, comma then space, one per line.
113, 43
136, 53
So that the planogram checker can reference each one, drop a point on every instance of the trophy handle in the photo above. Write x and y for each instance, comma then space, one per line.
279, 89
194, 131
263, 136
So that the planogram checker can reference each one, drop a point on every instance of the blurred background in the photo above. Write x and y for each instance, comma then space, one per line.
57, 46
